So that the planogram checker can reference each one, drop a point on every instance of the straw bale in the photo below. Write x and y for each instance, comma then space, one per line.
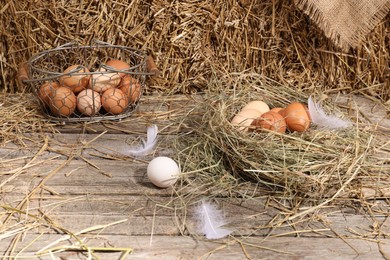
192, 40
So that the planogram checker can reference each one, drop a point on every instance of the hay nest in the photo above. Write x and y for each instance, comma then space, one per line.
316, 164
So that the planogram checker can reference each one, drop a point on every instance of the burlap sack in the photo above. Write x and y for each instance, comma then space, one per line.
345, 22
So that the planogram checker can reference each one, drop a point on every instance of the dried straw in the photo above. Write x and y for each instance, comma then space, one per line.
193, 40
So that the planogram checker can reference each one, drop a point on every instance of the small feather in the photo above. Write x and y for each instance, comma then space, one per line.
323, 120
210, 221
148, 146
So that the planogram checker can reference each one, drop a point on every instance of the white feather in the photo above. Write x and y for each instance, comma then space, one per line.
148, 146
323, 120
210, 221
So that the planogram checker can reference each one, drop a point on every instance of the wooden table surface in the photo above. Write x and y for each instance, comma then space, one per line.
66, 192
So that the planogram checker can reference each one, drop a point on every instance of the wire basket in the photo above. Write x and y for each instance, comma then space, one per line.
76, 83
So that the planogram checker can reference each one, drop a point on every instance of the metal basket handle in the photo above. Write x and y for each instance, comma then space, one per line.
22, 73
67, 45
151, 66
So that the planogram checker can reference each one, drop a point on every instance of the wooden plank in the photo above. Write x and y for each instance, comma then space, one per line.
184, 247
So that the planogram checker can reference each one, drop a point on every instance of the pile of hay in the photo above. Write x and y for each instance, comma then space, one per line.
314, 165
192, 40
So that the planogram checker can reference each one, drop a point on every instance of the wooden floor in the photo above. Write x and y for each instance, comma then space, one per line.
77, 190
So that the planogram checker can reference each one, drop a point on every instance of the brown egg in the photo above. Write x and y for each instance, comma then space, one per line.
114, 101
296, 117
100, 82
63, 101
244, 118
277, 110
131, 87
77, 80
46, 90
272, 121
88, 102
258, 105
119, 65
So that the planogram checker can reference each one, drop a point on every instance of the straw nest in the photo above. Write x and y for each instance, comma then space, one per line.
316, 164
191, 40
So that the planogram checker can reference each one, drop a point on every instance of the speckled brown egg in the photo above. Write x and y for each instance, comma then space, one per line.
114, 101
63, 101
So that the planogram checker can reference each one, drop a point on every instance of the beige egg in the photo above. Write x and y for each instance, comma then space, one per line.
260, 106
100, 82
244, 118
88, 102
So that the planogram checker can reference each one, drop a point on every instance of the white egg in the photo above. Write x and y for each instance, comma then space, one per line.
260, 106
244, 119
163, 171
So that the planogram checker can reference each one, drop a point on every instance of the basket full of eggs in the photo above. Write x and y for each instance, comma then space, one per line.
93, 82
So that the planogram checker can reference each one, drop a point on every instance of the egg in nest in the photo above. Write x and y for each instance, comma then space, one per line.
270, 120
297, 117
